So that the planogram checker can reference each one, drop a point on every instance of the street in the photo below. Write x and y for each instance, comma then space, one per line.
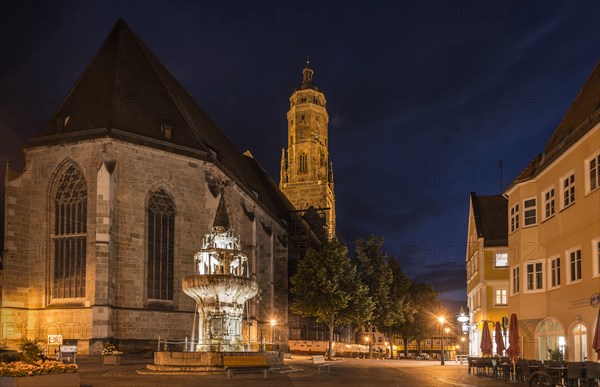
301, 372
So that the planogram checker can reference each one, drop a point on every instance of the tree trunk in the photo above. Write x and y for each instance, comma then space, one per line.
405, 339
371, 338
330, 351
392, 341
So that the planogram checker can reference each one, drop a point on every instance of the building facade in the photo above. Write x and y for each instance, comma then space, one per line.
554, 235
306, 176
117, 192
487, 266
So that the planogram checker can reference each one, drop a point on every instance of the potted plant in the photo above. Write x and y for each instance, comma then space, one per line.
555, 354
31, 369
110, 355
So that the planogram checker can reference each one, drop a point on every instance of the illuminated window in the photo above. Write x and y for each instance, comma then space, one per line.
554, 272
70, 235
574, 265
514, 218
501, 259
535, 275
548, 196
592, 166
568, 190
501, 295
161, 230
303, 163
529, 214
516, 284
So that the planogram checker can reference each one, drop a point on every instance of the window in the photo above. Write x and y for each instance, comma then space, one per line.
161, 230
548, 196
535, 277
529, 215
303, 163
574, 261
516, 284
70, 235
514, 218
501, 297
501, 259
568, 190
554, 272
593, 172
596, 255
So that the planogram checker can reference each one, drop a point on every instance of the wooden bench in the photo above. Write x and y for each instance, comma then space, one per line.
319, 361
246, 363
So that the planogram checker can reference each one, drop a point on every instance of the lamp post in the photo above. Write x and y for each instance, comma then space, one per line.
273, 322
441, 321
463, 319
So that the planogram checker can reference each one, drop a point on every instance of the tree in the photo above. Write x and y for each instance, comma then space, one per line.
424, 300
326, 286
388, 286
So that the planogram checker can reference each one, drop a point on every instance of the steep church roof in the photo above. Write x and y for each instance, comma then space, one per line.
491, 219
127, 93
581, 116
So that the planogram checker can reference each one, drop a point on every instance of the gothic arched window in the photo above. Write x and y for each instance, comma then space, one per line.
70, 235
303, 163
161, 232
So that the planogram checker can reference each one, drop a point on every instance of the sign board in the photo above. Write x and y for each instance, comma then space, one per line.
55, 340
69, 348
465, 328
595, 300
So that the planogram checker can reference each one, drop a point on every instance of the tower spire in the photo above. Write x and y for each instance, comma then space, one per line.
307, 72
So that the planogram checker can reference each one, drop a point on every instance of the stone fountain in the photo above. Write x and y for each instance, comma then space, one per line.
220, 286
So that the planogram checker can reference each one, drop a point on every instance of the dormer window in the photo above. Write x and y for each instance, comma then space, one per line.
167, 131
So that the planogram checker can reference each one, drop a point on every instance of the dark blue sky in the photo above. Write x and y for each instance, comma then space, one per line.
424, 98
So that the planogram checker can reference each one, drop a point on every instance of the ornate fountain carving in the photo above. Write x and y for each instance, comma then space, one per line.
221, 285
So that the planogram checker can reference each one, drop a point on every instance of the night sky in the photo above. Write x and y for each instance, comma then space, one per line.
424, 98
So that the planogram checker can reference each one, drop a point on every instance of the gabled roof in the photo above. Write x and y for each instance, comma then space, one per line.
126, 93
581, 117
491, 219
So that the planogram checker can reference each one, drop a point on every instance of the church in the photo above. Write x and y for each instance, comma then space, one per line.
117, 191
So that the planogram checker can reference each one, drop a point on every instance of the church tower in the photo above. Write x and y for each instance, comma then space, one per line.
306, 176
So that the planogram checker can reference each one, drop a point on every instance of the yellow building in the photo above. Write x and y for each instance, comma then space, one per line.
487, 265
554, 235
306, 176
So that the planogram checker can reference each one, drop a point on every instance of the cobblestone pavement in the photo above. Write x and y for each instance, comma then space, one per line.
302, 373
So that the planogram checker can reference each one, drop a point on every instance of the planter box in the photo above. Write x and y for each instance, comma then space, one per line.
69, 379
111, 360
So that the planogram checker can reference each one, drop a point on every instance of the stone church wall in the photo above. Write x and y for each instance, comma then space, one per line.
119, 178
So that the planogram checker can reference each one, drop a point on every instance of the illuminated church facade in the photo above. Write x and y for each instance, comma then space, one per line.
117, 191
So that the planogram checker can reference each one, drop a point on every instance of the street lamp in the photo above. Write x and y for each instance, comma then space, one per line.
273, 322
442, 320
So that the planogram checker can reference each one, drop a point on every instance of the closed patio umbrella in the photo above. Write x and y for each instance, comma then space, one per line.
596, 342
499, 340
513, 350
486, 340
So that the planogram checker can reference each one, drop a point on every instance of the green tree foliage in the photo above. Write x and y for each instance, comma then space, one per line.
424, 301
388, 286
327, 286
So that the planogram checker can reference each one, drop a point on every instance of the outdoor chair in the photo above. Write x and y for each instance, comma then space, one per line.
525, 370
593, 373
574, 373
